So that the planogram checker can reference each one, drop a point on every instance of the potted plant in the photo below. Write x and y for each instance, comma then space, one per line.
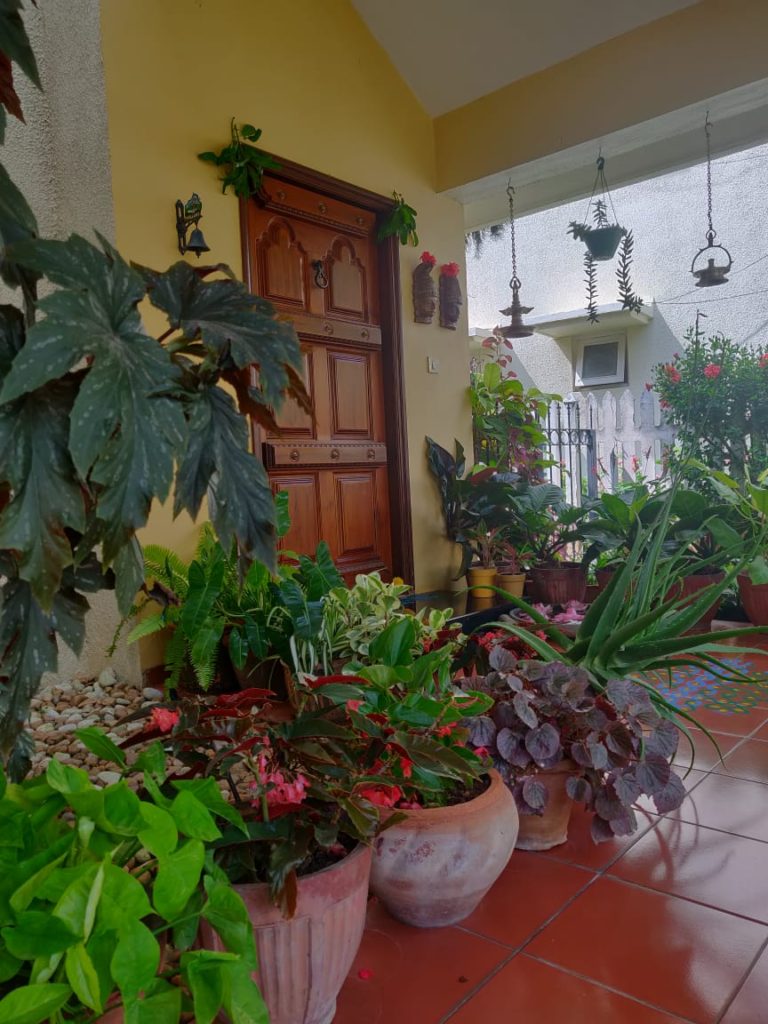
103, 891
550, 528
556, 737
511, 568
601, 238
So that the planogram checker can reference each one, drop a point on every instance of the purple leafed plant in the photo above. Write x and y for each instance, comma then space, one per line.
548, 712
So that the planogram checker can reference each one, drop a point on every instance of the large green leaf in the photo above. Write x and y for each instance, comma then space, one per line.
35, 461
17, 225
205, 583
136, 959
230, 322
125, 424
217, 458
32, 1004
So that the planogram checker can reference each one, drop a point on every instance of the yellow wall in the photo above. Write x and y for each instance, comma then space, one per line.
690, 56
311, 76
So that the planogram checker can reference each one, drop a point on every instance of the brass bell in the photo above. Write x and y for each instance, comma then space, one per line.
516, 329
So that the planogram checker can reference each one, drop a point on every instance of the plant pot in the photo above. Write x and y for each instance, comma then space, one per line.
689, 587
754, 598
603, 242
303, 961
604, 577
543, 831
482, 580
511, 583
433, 868
559, 584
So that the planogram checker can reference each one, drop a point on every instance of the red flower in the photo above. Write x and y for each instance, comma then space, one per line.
763, 361
712, 370
354, 705
427, 257
673, 374
163, 719
664, 404
450, 269
365, 974
382, 796
445, 730
648, 387
406, 767
482, 751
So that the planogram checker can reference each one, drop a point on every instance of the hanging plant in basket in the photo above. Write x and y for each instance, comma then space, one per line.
602, 237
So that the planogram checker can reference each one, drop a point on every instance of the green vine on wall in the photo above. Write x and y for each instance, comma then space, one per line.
244, 164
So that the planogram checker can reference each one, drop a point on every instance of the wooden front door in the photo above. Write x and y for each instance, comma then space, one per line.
315, 258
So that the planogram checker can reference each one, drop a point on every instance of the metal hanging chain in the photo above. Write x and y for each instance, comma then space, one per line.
511, 196
601, 182
711, 234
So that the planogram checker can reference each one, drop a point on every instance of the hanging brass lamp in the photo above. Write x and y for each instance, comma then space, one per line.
712, 263
517, 328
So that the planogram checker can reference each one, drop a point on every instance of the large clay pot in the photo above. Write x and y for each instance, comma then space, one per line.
115, 1016
543, 831
482, 580
511, 583
559, 584
433, 868
689, 586
303, 961
754, 597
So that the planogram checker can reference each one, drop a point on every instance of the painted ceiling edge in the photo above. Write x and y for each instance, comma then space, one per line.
591, 95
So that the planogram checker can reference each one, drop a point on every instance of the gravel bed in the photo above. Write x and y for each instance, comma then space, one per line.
68, 705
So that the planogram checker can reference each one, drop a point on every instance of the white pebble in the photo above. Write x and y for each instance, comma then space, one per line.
150, 693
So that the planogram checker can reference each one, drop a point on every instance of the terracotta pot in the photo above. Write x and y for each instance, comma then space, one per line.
559, 584
543, 831
483, 580
433, 868
511, 583
115, 1016
303, 961
689, 586
604, 577
754, 597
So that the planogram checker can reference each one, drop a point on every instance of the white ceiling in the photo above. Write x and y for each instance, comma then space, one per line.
450, 52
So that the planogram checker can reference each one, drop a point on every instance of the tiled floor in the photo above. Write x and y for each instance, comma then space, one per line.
670, 925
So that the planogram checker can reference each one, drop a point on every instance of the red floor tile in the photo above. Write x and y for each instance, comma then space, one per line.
705, 754
733, 805
531, 889
419, 974
530, 992
731, 722
716, 868
582, 850
748, 761
751, 1003
679, 956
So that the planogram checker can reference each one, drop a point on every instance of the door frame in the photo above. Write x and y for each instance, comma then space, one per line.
390, 303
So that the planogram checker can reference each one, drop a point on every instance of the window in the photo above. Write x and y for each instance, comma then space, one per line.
601, 361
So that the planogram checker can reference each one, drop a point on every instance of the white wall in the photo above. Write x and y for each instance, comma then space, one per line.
60, 160
668, 218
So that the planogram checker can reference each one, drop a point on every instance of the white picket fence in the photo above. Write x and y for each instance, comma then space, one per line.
627, 435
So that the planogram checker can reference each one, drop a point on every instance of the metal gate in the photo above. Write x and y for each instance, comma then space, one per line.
573, 452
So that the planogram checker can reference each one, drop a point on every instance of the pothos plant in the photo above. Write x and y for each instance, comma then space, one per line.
98, 419
400, 221
244, 164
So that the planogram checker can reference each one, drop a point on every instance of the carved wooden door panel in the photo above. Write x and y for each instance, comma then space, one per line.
315, 258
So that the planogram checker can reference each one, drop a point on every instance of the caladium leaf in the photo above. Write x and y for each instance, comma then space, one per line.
46, 498
229, 321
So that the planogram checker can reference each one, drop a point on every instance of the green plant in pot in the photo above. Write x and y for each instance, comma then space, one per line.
512, 560
102, 895
550, 528
556, 737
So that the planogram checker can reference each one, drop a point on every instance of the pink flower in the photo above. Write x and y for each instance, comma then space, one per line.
673, 374
712, 370
648, 386
427, 257
482, 751
163, 719
763, 363
382, 796
354, 705
406, 767
450, 269
365, 974
635, 462
409, 805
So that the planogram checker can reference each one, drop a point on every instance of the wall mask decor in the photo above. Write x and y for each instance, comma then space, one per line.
424, 290
450, 296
